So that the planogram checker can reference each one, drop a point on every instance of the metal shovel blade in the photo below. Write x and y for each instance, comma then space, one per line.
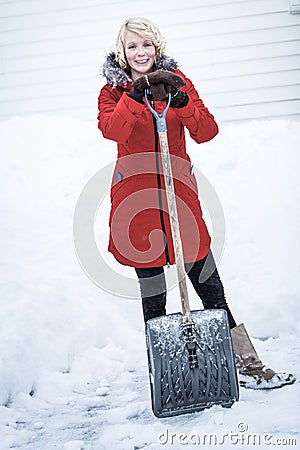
191, 365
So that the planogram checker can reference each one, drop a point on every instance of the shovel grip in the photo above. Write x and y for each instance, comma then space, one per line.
161, 124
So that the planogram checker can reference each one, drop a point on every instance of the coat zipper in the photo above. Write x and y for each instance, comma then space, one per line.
158, 175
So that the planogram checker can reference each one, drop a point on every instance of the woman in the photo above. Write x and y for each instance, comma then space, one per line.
140, 232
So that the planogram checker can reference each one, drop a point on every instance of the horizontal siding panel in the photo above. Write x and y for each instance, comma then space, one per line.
207, 9
39, 105
57, 33
225, 70
235, 40
29, 81
261, 95
56, 89
248, 82
251, 53
73, 16
53, 75
258, 111
58, 60
188, 26
37, 7
216, 14
234, 25
77, 14
73, 44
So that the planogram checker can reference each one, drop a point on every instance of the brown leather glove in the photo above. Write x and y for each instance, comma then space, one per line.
159, 91
159, 83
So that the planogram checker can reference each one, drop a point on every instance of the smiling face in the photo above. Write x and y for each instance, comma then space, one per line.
140, 54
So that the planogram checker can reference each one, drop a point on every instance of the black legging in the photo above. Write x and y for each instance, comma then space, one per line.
204, 277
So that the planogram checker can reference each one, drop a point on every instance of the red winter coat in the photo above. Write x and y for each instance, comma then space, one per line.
140, 232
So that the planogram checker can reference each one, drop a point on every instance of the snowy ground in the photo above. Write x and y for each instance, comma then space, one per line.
72, 356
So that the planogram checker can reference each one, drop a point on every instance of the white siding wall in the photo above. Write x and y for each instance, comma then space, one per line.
242, 55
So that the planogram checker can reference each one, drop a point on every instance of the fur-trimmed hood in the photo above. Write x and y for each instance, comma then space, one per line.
116, 76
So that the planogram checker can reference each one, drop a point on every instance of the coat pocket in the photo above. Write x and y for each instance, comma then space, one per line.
184, 175
123, 184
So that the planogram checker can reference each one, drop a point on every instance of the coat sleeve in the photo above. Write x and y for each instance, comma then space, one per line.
196, 117
117, 116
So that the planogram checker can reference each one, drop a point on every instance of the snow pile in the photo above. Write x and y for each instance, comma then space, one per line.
72, 357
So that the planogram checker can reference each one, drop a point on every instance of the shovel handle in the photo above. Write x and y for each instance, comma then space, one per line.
161, 127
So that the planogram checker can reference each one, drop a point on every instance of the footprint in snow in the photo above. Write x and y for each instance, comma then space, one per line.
74, 445
102, 391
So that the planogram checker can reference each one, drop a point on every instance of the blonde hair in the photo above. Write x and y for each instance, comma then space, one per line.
144, 28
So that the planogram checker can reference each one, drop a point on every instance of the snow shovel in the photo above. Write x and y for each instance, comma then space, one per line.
190, 356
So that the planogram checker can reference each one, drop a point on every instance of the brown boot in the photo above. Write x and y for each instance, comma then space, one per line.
253, 373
